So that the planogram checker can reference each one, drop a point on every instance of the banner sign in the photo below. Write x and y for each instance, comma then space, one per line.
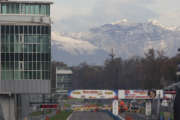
140, 94
93, 94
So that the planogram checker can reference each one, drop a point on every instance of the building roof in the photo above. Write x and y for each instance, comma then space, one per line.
27, 1
64, 71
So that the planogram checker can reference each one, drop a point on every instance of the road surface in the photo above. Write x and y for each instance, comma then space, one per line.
137, 116
90, 116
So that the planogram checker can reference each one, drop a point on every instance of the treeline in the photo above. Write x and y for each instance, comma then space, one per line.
153, 71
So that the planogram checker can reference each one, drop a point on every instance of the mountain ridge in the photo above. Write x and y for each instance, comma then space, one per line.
126, 38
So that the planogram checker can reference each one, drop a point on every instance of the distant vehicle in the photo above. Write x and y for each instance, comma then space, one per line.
134, 107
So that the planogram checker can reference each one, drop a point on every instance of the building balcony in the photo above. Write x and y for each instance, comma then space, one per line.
24, 19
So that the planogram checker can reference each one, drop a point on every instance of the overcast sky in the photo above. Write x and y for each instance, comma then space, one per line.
81, 15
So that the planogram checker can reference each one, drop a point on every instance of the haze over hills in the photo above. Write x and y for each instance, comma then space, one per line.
126, 38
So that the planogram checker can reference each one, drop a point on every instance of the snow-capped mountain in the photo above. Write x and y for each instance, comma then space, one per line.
126, 38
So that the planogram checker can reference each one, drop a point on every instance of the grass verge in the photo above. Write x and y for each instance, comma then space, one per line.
38, 113
63, 115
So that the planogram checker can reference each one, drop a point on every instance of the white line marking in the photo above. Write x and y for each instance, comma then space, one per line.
70, 116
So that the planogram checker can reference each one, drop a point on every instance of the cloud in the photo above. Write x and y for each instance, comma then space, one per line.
64, 9
168, 11
77, 18
170, 18
72, 46
80, 15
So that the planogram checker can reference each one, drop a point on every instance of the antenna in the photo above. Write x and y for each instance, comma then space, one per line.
112, 54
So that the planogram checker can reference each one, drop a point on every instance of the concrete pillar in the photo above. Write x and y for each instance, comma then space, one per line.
7, 107
24, 108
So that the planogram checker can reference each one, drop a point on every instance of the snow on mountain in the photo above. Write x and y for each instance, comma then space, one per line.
157, 23
123, 21
126, 38
129, 39
73, 46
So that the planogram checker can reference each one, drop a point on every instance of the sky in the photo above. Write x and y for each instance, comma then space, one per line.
81, 15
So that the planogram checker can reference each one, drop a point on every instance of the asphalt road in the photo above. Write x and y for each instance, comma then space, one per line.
90, 116
134, 116
137, 116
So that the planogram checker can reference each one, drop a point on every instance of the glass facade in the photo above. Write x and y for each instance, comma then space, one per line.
25, 52
25, 8
63, 81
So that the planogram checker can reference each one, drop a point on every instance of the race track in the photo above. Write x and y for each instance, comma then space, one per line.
90, 116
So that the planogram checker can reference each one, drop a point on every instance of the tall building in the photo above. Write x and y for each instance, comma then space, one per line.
25, 50
63, 80
25, 40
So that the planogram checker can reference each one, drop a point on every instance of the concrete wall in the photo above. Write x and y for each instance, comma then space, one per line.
7, 107
25, 87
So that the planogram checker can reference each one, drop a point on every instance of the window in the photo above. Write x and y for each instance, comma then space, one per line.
26, 65
34, 57
16, 66
38, 75
3, 29
26, 75
43, 10
16, 30
30, 29
7, 29
11, 47
37, 9
21, 29
17, 75
32, 9
11, 29
30, 57
17, 8
3, 8
27, 8
25, 57
9, 8
11, 39
21, 38
30, 75
34, 29
38, 30
34, 48
48, 10
21, 65
23, 8
34, 65
26, 48
30, 66
30, 48
25, 29
3, 75
38, 66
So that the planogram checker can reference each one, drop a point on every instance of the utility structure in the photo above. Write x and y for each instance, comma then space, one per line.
25, 53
